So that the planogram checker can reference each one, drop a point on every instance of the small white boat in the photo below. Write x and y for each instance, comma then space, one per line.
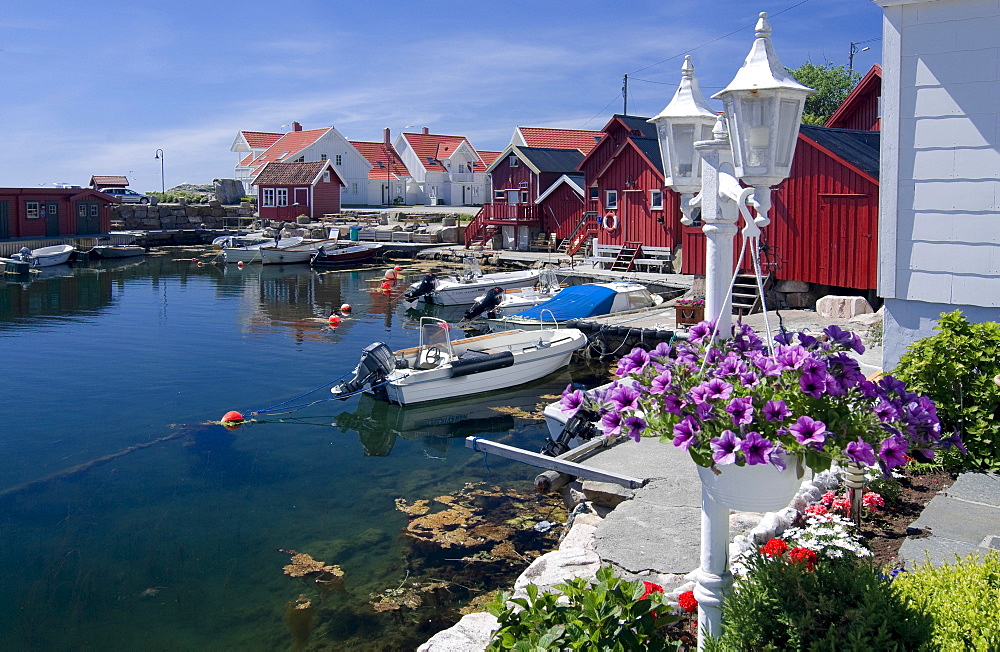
498, 302
248, 253
297, 253
241, 239
580, 302
463, 290
440, 368
117, 251
45, 256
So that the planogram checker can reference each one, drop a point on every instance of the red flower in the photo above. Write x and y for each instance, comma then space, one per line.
650, 587
828, 498
774, 548
872, 500
687, 602
803, 555
817, 510
842, 505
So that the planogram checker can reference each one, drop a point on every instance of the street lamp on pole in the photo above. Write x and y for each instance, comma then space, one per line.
752, 141
163, 185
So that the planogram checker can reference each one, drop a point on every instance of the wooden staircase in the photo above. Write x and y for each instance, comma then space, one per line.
746, 296
580, 236
626, 256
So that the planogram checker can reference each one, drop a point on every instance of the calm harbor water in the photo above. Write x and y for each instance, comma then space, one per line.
128, 521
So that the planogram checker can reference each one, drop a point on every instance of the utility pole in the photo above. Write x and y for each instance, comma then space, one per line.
855, 49
625, 95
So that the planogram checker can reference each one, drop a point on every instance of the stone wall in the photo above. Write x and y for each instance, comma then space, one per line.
212, 215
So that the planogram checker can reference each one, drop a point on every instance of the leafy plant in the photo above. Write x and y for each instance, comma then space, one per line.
957, 368
962, 599
610, 614
832, 85
792, 601
690, 301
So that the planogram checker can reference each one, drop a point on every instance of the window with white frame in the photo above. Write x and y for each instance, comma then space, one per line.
281, 195
656, 200
610, 199
498, 195
326, 176
322, 157
523, 184
268, 198
524, 197
595, 193
354, 186
31, 210
339, 159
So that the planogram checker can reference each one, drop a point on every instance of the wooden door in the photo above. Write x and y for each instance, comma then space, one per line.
51, 218
4, 223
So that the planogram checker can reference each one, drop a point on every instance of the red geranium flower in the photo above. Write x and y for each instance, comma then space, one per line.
872, 500
828, 498
818, 509
650, 587
803, 555
687, 602
842, 505
774, 548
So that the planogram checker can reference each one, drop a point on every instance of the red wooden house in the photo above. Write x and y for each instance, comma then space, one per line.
824, 218
626, 200
50, 212
520, 175
287, 190
561, 206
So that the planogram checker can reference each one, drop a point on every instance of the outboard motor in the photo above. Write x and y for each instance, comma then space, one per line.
24, 255
489, 302
377, 361
582, 425
425, 286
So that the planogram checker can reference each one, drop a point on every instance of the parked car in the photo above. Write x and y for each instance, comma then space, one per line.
127, 196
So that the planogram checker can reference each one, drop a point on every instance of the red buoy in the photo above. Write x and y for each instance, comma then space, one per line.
240, 264
397, 268
334, 321
386, 285
346, 308
232, 420
194, 260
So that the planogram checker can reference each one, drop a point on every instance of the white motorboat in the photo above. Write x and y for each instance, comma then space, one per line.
440, 368
241, 239
117, 251
45, 256
463, 290
498, 302
297, 253
248, 253
580, 302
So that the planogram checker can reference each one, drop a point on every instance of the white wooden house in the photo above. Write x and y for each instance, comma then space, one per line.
939, 235
445, 169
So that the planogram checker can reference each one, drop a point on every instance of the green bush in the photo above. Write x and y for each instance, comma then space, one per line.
174, 196
963, 599
610, 614
956, 368
841, 604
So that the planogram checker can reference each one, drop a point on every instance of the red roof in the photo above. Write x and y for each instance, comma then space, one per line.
108, 181
289, 145
293, 174
581, 139
488, 157
430, 148
376, 155
260, 139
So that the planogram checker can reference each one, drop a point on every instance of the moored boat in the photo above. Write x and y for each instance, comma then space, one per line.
351, 255
498, 302
117, 251
463, 290
297, 253
580, 302
248, 253
439, 368
45, 256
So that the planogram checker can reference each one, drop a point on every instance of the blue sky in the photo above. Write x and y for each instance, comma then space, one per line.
97, 88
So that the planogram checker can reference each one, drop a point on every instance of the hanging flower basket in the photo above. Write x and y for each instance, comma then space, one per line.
689, 311
758, 488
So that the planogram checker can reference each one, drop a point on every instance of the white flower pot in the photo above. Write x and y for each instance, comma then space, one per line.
758, 488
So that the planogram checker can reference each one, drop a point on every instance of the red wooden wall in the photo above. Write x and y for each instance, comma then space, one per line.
561, 211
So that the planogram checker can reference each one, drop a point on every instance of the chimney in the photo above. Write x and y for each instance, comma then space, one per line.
296, 126
425, 131
385, 136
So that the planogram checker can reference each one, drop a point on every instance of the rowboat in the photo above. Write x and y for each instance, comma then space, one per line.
440, 368
580, 302
297, 253
117, 251
45, 256
463, 290
248, 253
351, 255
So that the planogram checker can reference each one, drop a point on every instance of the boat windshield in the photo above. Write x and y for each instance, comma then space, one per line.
547, 280
435, 332
470, 268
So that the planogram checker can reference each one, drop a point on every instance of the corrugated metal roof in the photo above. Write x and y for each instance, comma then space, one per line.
552, 160
857, 147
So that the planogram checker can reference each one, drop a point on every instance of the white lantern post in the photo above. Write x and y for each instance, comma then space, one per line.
763, 109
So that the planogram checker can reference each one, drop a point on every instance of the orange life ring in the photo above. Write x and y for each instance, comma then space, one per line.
610, 222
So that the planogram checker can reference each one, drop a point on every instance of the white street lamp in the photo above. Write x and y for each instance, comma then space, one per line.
763, 109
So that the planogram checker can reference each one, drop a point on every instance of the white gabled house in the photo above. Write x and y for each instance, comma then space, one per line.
300, 146
445, 169
389, 182
939, 225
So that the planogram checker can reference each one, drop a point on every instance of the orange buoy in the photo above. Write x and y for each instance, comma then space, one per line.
390, 274
232, 420
240, 264
397, 268
385, 290
346, 308
200, 264
334, 321
386, 285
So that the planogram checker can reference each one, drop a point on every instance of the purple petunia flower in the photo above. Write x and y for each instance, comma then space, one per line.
861, 452
685, 432
886, 411
756, 449
662, 351
571, 401
808, 431
812, 384
776, 411
724, 447
718, 389
660, 383
704, 412
841, 337
635, 426
623, 397
778, 458
632, 362
701, 331
672, 403
611, 424
741, 408
893, 452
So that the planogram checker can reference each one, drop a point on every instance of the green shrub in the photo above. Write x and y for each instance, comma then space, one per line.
610, 614
841, 604
963, 599
956, 368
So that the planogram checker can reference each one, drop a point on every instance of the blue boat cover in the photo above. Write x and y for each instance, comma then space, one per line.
574, 302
